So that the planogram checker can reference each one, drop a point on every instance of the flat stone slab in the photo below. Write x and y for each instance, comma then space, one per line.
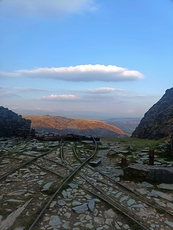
165, 186
91, 205
81, 209
54, 221
150, 173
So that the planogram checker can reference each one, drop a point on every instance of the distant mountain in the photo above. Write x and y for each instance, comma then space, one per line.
158, 120
127, 125
74, 125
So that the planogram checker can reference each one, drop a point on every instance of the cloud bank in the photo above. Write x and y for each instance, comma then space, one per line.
80, 73
45, 8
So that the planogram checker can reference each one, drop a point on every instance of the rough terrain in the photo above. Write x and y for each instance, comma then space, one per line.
27, 189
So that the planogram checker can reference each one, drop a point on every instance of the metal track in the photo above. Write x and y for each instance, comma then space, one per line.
136, 194
111, 202
62, 185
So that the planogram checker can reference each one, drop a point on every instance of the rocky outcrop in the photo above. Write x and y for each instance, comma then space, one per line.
157, 121
11, 123
149, 173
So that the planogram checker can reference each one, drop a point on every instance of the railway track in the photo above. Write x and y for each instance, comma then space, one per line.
35, 172
124, 200
44, 191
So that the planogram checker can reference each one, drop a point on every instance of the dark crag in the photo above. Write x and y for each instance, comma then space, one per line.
157, 121
12, 123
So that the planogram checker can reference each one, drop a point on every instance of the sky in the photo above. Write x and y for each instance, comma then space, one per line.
91, 59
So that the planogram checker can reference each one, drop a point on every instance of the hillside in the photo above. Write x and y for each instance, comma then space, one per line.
82, 126
157, 121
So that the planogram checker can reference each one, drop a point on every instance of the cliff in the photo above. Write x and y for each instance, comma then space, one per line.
157, 121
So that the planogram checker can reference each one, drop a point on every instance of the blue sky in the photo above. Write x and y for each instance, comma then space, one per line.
85, 58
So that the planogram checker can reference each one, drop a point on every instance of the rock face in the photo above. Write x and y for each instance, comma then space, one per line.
10, 122
157, 121
150, 173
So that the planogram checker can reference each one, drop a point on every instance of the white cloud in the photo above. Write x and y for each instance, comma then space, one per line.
101, 90
80, 73
45, 8
60, 97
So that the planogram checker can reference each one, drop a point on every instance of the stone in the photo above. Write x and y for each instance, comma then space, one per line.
98, 220
91, 205
170, 205
17, 192
147, 185
15, 201
149, 172
118, 195
52, 204
161, 194
165, 186
55, 220
95, 163
142, 191
138, 206
130, 202
68, 215
99, 228
88, 197
117, 226
65, 225
81, 208
72, 185
169, 223
124, 198
109, 213
47, 186
89, 226
76, 203
160, 202
64, 193
61, 202
125, 226
40, 182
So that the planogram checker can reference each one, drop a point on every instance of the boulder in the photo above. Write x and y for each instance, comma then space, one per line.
149, 173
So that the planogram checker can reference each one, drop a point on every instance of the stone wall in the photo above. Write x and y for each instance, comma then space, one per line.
10, 122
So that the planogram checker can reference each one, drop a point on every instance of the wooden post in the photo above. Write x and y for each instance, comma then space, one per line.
151, 157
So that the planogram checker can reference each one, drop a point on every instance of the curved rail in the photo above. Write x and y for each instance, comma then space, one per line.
63, 184
24, 164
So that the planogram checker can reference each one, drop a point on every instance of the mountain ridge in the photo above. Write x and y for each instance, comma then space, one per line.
64, 123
